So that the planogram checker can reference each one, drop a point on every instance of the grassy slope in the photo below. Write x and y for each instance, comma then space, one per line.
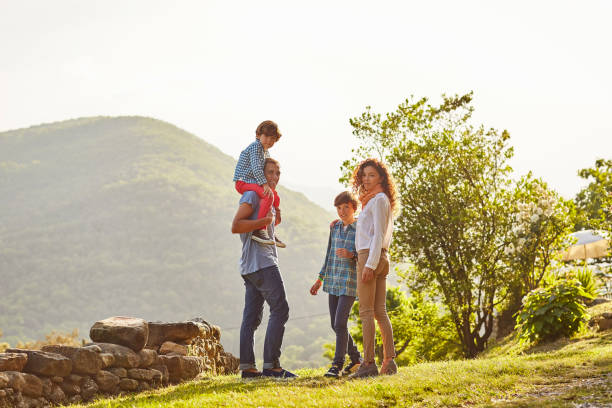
553, 375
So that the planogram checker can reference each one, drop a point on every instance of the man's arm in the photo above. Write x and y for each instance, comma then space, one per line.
242, 223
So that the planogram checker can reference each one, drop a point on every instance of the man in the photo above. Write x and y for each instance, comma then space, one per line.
263, 283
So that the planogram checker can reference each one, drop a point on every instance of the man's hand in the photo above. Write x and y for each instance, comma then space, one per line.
367, 274
268, 191
269, 218
315, 288
344, 253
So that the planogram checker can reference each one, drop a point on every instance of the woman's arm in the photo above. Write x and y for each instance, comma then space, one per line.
380, 217
242, 223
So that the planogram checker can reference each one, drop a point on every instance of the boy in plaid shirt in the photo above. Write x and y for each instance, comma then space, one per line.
249, 176
338, 277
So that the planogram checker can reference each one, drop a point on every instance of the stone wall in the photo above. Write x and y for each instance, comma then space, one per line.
126, 355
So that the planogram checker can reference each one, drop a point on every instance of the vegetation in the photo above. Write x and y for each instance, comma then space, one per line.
552, 312
561, 374
594, 202
131, 216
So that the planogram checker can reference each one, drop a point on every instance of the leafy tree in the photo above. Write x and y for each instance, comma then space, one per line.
454, 185
594, 202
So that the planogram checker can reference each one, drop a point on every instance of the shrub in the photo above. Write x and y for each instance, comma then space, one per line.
552, 312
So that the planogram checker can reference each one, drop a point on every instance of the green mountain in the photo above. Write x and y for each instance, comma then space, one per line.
131, 216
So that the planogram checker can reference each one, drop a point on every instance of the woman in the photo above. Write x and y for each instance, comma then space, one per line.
377, 194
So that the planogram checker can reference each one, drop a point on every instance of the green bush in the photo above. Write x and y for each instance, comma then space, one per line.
587, 281
552, 312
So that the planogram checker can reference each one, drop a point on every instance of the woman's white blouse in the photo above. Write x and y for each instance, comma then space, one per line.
374, 228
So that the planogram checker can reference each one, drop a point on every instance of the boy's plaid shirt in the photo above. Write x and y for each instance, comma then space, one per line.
340, 274
250, 166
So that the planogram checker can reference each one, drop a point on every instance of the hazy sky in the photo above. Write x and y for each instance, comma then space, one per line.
541, 69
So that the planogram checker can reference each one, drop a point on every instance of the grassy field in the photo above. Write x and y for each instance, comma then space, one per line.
567, 373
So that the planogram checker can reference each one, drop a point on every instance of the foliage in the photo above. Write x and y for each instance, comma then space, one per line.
586, 279
454, 186
55, 337
421, 330
549, 313
594, 202
543, 221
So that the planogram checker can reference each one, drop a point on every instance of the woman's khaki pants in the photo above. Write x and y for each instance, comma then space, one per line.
372, 304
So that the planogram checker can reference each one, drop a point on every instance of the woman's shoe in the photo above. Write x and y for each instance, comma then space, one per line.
389, 368
365, 370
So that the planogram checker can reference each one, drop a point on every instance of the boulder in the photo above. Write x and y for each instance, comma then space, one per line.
165, 374
57, 396
169, 347
33, 386
118, 371
43, 363
124, 356
160, 332
93, 347
34, 402
181, 368
75, 378
107, 381
47, 386
140, 374
12, 379
148, 357
130, 332
143, 386
604, 324
57, 380
84, 360
89, 388
128, 384
69, 388
13, 361
107, 360
75, 399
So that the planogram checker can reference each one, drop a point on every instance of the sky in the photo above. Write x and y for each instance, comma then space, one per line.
540, 69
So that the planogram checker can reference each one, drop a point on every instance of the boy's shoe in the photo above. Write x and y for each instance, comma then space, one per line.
268, 372
389, 369
262, 237
279, 243
364, 371
351, 367
334, 371
248, 375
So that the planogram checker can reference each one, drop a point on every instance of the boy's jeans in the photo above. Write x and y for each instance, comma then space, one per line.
339, 310
264, 285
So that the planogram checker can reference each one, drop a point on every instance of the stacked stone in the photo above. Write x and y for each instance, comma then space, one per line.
122, 358
208, 346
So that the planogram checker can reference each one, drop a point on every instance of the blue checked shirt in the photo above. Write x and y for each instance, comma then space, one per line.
340, 274
250, 166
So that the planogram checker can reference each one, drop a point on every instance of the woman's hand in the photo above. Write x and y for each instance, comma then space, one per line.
344, 253
367, 274
315, 288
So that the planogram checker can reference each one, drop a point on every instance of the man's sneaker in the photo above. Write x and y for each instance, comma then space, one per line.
389, 369
369, 370
351, 367
262, 237
248, 375
268, 372
279, 243
334, 371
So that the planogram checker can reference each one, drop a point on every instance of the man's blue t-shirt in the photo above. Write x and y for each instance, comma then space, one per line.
256, 256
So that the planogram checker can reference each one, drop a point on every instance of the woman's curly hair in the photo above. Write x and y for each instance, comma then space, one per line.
387, 183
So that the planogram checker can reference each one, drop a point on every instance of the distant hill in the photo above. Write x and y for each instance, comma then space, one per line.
131, 216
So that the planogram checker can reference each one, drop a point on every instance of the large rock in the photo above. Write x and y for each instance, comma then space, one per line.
13, 361
70, 388
169, 347
130, 332
182, 332
107, 359
57, 396
141, 374
128, 384
12, 379
118, 371
181, 368
147, 357
33, 386
43, 363
107, 381
124, 356
165, 374
89, 388
84, 360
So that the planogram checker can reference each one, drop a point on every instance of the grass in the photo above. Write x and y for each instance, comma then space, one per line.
566, 373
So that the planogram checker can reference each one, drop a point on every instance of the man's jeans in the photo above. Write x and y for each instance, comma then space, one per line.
263, 285
339, 309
